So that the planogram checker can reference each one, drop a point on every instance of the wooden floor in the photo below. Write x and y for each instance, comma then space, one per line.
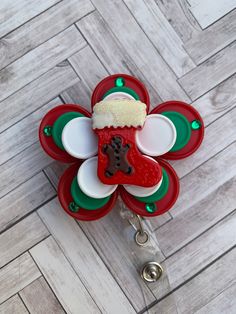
56, 51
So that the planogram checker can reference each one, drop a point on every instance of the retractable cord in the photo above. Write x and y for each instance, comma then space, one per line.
151, 269
147, 258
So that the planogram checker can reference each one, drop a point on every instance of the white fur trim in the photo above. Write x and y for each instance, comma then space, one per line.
119, 113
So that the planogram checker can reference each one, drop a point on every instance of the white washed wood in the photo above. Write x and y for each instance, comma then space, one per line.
22, 167
189, 224
196, 256
106, 46
88, 67
156, 222
15, 13
166, 306
218, 136
39, 298
13, 305
203, 45
121, 255
179, 16
205, 179
208, 11
162, 35
199, 253
200, 290
39, 60
21, 237
36, 94
24, 199
217, 101
79, 93
62, 278
225, 302
54, 171
155, 70
41, 28
17, 275
210, 73
24, 133
94, 71
85, 260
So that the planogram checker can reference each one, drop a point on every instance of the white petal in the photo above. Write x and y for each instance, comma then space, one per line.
79, 139
157, 136
89, 181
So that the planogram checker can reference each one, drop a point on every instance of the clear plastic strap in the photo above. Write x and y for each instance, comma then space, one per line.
148, 257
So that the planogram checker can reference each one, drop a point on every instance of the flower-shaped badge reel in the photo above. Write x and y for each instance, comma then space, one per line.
120, 149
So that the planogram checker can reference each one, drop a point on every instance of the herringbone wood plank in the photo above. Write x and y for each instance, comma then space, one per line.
57, 51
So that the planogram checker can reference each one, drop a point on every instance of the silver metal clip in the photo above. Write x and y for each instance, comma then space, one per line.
141, 236
151, 271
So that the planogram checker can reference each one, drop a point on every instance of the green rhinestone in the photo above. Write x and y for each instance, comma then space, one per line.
120, 82
196, 125
151, 207
47, 130
73, 207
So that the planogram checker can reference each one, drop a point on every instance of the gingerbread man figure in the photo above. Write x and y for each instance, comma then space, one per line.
117, 154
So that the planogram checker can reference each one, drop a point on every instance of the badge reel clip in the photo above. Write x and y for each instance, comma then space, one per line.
149, 256
114, 152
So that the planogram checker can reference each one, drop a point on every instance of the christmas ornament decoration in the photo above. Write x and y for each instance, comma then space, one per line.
120, 148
